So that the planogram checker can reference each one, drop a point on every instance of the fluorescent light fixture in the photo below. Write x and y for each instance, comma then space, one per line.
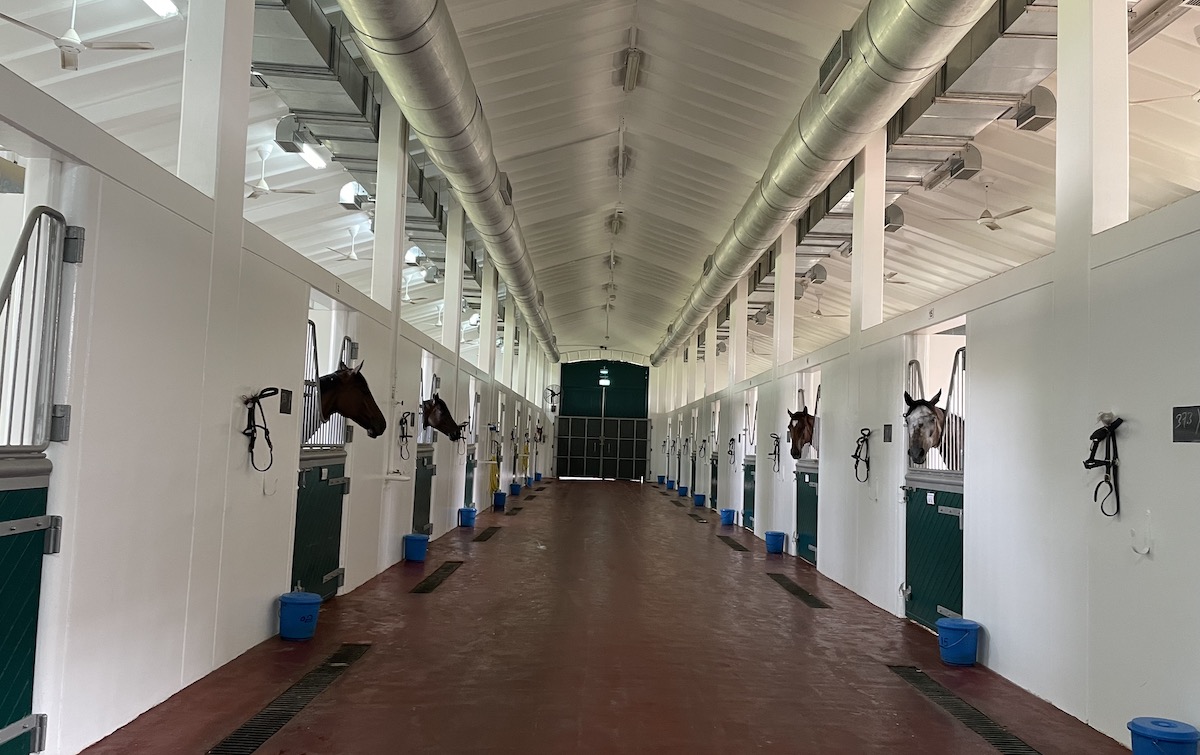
633, 66
164, 8
605, 381
311, 157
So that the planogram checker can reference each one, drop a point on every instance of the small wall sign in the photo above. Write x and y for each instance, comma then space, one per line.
1185, 424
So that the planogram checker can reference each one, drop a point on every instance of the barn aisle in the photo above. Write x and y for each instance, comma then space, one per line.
602, 618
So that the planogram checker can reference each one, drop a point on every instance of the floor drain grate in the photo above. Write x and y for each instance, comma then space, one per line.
992, 732
677, 503
530, 497
732, 543
486, 534
513, 511
430, 583
251, 735
810, 600
698, 518
540, 489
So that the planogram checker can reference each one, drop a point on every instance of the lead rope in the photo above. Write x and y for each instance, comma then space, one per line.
862, 455
253, 427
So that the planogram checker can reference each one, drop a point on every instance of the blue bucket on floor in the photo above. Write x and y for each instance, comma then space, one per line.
466, 517
514, 489
775, 541
670, 484
662, 479
298, 615
1162, 736
727, 515
415, 546
958, 640
698, 500
498, 499
683, 491
537, 476
529, 482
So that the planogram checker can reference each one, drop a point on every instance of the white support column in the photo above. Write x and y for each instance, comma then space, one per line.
216, 106
710, 354
697, 369
520, 386
510, 332
489, 306
784, 306
866, 264
391, 194
456, 228
738, 342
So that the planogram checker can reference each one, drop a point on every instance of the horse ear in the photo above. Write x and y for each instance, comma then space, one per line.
908, 400
935, 398
803, 410
792, 414
358, 369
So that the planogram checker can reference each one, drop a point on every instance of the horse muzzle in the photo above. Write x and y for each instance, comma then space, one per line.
795, 453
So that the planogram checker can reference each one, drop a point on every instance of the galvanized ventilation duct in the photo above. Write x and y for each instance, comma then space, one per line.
894, 46
414, 47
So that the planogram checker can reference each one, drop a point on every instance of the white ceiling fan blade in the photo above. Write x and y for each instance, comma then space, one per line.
292, 191
1010, 213
118, 45
27, 27
1153, 100
69, 61
992, 226
964, 220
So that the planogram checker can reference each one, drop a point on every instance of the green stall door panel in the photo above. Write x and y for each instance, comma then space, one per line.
806, 516
469, 496
715, 465
316, 553
748, 500
934, 555
423, 495
20, 587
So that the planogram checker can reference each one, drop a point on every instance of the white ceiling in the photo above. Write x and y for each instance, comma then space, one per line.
722, 78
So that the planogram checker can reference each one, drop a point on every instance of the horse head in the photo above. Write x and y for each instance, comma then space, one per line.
435, 414
801, 426
345, 392
926, 422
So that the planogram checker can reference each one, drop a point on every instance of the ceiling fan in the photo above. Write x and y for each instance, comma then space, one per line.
1193, 96
891, 278
70, 45
986, 218
819, 315
352, 254
260, 188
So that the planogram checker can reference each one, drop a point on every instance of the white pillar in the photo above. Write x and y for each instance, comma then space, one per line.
489, 306
216, 106
866, 264
391, 193
784, 306
510, 334
452, 293
738, 343
710, 354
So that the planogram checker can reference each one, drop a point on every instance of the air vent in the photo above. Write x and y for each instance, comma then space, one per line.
1192, 3
506, 189
834, 62
1039, 108
708, 264
893, 218
972, 163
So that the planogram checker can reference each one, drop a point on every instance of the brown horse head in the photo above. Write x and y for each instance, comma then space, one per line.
435, 414
345, 392
925, 422
801, 426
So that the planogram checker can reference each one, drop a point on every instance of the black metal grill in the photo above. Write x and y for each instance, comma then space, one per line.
530, 497
251, 735
486, 534
993, 733
430, 583
810, 600
732, 543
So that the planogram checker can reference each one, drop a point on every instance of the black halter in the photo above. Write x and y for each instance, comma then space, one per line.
862, 455
253, 427
1112, 466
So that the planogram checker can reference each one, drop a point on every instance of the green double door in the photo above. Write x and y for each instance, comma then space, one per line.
20, 590
934, 555
748, 484
317, 543
806, 515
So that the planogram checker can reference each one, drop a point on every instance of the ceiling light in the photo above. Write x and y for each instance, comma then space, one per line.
414, 255
633, 62
311, 157
164, 8
721, 347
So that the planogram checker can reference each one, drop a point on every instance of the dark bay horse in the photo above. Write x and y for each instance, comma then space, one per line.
435, 414
926, 424
345, 392
801, 427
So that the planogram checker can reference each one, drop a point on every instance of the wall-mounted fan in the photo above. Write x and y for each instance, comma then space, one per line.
70, 46
553, 393
260, 187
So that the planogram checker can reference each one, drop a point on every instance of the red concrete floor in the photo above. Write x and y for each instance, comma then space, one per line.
602, 619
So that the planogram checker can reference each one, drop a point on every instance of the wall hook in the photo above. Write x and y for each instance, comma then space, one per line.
1142, 546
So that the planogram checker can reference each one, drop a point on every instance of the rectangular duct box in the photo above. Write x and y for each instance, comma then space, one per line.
835, 61
1029, 120
506, 189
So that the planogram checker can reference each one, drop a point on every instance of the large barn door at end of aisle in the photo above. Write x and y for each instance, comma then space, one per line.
606, 448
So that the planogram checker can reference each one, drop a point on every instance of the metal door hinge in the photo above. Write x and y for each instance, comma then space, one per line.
53, 543
353, 349
51, 525
339, 574
60, 422
343, 481
906, 591
349, 433
948, 613
34, 725
301, 482
73, 245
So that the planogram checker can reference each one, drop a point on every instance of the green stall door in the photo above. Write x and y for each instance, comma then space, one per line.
748, 499
316, 553
934, 556
714, 464
20, 587
806, 516
469, 497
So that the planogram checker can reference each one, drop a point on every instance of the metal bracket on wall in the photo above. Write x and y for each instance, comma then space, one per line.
300, 481
60, 422
339, 574
354, 349
73, 245
349, 432
34, 725
343, 481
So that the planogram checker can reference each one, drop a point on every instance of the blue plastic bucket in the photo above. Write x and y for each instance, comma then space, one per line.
415, 546
698, 500
514, 489
1162, 736
498, 499
529, 482
662, 479
727, 515
775, 541
537, 476
683, 491
466, 517
670, 484
958, 640
298, 615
